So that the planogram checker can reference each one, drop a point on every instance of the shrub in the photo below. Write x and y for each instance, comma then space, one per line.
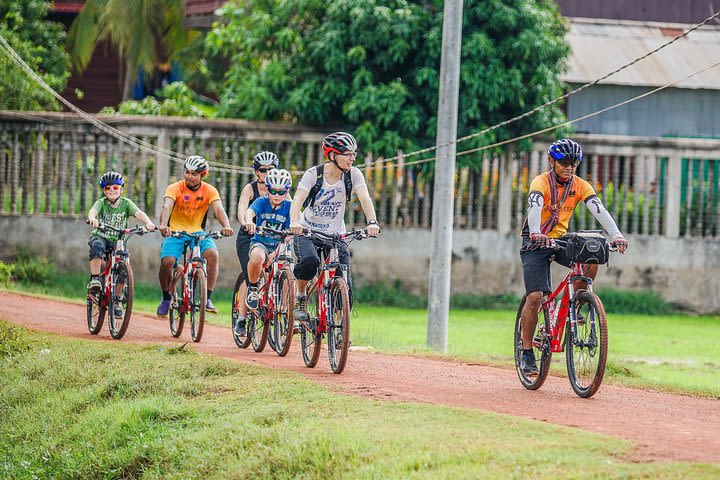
33, 269
6, 272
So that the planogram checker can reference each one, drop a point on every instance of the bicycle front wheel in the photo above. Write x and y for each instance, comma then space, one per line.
586, 347
283, 318
95, 311
177, 307
198, 303
240, 341
541, 348
338, 325
121, 300
310, 337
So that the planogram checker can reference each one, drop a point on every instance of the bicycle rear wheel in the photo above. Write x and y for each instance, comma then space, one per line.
310, 338
338, 325
586, 347
198, 303
541, 348
241, 342
121, 300
258, 323
283, 318
177, 311
95, 311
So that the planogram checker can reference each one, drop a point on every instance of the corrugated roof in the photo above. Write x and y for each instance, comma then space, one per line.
600, 46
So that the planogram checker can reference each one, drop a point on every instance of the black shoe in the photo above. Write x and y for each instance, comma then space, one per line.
239, 329
300, 312
527, 364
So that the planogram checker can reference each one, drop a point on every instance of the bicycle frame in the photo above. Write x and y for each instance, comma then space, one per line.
196, 261
559, 317
119, 252
321, 283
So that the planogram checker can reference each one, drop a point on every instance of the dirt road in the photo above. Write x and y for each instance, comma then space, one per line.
663, 426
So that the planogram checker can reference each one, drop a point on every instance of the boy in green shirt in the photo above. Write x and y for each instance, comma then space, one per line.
113, 210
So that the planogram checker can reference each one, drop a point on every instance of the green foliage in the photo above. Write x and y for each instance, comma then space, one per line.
627, 302
372, 66
177, 101
39, 43
13, 339
6, 272
34, 269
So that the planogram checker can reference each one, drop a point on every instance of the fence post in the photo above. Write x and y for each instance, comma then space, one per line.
397, 192
162, 170
673, 179
504, 205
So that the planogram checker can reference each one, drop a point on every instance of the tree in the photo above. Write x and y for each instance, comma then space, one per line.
145, 33
176, 101
39, 42
372, 66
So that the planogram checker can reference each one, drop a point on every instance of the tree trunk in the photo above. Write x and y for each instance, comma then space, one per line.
130, 78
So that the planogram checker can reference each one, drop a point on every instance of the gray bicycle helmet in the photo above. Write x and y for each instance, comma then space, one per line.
196, 163
265, 159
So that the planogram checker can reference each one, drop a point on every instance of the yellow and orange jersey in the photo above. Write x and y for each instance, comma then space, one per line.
580, 191
190, 209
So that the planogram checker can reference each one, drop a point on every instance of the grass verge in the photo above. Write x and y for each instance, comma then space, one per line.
87, 409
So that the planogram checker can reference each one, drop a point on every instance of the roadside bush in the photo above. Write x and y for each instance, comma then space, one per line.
643, 303
6, 272
33, 269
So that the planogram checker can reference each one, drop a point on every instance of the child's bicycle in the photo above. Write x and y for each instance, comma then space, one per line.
272, 321
189, 286
585, 342
329, 303
115, 297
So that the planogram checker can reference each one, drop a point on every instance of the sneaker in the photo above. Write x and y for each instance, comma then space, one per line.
94, 285
209, 307
253, 298
300, 312
239, 328
528, 364
118, 312
163, 308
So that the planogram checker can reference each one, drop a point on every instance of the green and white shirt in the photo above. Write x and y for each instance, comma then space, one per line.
114, 217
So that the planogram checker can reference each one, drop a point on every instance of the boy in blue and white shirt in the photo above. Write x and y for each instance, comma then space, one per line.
272, 211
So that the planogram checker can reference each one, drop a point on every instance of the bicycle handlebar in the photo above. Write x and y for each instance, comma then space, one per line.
137, 230
353, 234
281, 233
216, 234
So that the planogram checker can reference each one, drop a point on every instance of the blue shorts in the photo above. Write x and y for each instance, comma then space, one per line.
174, 247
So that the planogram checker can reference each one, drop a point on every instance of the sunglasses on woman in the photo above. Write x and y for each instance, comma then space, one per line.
276, 192
264, 169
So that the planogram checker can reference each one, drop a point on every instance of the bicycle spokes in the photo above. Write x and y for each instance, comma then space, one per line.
587, 345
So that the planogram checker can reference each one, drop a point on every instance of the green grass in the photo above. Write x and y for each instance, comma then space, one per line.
88, 409
676, 353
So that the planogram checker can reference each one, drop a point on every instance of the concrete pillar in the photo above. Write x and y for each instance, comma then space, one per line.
162, 171
504, 205
673, 181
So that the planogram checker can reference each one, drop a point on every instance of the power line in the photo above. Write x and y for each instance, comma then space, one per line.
562, 97
554, 127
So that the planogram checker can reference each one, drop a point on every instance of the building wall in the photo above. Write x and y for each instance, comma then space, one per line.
671, 112
684, 271
683, 11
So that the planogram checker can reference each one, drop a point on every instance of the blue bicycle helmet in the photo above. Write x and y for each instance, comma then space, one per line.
564, 149
111, 178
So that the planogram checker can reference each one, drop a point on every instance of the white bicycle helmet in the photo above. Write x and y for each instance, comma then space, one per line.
196, 163
265, 159
278, 179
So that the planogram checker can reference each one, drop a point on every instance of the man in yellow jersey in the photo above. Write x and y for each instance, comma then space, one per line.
551, 201
185, 207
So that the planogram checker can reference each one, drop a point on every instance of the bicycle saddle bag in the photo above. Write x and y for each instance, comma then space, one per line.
588, 248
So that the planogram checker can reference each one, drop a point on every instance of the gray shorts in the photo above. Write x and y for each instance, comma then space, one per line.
261, 245
536, 268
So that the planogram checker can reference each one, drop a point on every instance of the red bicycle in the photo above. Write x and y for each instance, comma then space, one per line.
328, 302
272, 322
189, 286
586, 338
116, 294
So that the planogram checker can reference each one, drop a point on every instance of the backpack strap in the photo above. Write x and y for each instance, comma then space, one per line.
347, 178
555, 205
310, 200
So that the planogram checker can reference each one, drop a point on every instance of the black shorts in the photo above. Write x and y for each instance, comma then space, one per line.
242, 247
536, 267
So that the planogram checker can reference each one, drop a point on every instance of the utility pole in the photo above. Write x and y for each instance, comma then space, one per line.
444, 186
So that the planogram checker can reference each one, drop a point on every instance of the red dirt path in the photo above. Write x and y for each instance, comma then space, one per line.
663, 426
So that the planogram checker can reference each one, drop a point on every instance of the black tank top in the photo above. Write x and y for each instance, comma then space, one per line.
256, 195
